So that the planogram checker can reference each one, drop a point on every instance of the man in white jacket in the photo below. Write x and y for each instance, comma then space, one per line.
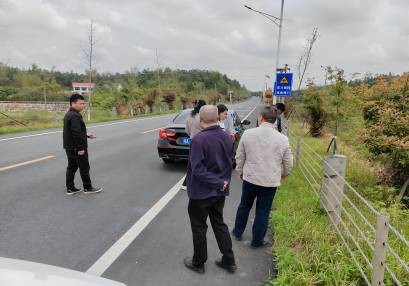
263, 159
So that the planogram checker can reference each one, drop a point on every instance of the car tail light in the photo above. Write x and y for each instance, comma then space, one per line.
167, 134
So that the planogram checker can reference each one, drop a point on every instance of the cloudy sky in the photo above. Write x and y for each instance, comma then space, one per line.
356, 35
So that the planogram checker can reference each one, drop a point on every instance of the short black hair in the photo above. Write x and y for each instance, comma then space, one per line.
75, 97
222, 108
280, 106
269, 114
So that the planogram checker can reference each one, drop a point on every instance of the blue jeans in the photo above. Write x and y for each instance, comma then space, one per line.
265, 196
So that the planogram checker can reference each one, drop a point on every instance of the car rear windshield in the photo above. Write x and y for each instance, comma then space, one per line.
182, 117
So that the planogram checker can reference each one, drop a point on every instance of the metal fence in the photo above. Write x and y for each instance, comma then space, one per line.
379, 251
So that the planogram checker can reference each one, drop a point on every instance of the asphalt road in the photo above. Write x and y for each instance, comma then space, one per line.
38, 222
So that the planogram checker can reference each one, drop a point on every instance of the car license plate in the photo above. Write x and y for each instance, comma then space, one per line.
186, 141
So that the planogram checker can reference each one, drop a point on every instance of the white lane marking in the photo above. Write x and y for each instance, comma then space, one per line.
106, 260
152, 130
247, 116
109, 257
26, 163
90, 127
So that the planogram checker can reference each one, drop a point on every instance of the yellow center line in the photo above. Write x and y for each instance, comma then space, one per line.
26, 163
152, 130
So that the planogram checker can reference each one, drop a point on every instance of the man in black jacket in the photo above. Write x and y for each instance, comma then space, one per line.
76, 146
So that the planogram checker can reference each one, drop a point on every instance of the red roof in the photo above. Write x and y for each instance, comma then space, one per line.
83, 84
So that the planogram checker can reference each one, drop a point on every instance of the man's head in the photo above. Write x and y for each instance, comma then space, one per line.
208, 116
77, 102
280, 108
268, 114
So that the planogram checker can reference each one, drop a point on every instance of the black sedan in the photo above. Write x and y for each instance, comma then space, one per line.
174, 143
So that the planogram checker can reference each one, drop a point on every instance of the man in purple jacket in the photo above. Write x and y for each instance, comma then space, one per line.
208, 179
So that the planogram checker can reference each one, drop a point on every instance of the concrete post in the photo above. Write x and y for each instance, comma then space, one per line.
332, 192
379, 256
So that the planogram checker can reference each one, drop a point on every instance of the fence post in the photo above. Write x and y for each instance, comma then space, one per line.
298, 152
379, 255
332, 192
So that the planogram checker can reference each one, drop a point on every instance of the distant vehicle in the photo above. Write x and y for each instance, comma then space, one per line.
174, 143
24, 273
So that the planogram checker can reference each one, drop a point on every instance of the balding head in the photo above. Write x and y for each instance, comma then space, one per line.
208, 115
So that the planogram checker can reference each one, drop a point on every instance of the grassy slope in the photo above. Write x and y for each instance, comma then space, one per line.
309, 251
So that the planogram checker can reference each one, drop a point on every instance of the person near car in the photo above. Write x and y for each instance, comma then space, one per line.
193, 122
263, 159
193, 126
225, 122
208, 181
76, 147
280, 110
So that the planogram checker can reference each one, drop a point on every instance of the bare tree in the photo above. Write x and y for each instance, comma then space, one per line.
305, 59
89, 57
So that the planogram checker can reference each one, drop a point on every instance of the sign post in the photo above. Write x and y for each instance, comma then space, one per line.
283, 84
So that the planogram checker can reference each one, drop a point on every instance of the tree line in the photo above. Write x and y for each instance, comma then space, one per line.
130, 91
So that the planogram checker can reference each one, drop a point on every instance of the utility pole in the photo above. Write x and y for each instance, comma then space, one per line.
157, 69
279, 23
279, 48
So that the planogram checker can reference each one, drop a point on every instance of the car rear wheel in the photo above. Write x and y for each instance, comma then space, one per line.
167, 160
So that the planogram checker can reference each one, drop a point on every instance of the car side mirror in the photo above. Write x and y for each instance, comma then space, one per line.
245, 122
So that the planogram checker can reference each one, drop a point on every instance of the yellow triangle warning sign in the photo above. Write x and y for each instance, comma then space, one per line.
284, 80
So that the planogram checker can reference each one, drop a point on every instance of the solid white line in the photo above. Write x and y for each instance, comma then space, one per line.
26, 163
106, 260
89, 127
109, 257
152, 130
247, 116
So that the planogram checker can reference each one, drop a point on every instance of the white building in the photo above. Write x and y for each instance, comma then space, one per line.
82, 87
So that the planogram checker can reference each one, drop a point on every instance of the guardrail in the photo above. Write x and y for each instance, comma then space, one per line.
375, 246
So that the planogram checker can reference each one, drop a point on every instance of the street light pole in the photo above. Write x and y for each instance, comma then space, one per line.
279, 46
279, 24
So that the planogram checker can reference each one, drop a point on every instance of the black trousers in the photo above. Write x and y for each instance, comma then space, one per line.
199, 210
76, 161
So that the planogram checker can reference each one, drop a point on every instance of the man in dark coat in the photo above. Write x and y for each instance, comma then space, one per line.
208, 179
76, 147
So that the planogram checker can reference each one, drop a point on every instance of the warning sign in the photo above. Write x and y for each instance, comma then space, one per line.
282, 86
284, 80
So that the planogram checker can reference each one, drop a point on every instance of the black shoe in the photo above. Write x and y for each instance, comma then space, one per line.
229, 267
92, 190
72, 191
238, 238
264, 243
199, 268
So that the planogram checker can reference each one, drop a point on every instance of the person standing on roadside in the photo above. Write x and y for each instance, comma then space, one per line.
263, 159
193, 122
76, 147
208, 179
280, 110
193, 126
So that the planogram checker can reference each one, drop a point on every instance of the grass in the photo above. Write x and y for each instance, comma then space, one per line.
309, 250
39, 120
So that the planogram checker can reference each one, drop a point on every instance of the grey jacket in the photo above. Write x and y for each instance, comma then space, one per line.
264, 156
193, 126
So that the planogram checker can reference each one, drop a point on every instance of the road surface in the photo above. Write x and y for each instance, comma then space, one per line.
136, 231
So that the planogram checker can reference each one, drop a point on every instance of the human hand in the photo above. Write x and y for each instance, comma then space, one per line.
225, 186
81, 152
91, 136
241, 177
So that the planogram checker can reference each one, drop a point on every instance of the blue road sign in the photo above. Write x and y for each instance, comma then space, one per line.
283, 84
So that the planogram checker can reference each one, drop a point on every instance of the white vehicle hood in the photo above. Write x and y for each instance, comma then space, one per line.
24, 273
